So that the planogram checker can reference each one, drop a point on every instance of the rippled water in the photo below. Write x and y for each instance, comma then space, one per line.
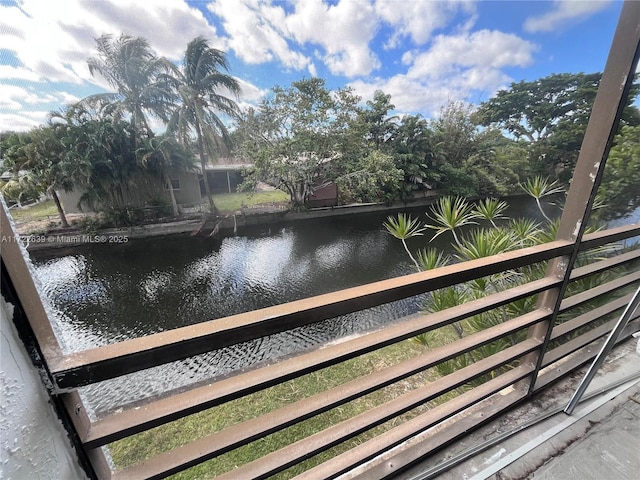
103, 294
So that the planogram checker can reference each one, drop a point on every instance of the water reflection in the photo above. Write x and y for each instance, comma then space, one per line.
108, 293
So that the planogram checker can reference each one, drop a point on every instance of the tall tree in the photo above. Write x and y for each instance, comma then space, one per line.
204, 89
381, 127
455, 137
619, 189
141, 80
415, 152
300, 137
45, 157
162, 156
551, 114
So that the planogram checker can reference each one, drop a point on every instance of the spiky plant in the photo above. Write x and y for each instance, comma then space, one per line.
539, 187
430, 258
491, 209
404, 227
450, 213
482, 243
526, 230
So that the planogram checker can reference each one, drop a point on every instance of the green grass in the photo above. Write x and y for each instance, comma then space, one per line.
35, 212
147, 444
232, 202
226, 203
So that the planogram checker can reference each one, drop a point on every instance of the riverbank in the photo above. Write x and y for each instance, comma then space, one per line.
208, 225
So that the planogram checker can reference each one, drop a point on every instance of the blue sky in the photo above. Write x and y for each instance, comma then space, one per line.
424, 53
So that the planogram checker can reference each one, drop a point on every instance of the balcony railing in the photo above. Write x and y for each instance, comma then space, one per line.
407, 425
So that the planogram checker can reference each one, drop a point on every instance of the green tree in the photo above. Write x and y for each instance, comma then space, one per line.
14, 147
456, 138
380, 126
300, 137
619, 189
162, 156
203, 86
43, 153
415, 152
141, 81
455, 132
376, 180
551, 115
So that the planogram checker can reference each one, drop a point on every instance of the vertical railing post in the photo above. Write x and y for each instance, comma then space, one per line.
610, 100
32, 323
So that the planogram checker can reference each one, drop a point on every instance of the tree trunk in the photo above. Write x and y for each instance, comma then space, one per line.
174, 204
203, 164
56, 200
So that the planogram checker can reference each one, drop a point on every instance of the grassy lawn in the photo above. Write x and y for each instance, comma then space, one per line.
232, 202
35, 212
226, 203
145, 445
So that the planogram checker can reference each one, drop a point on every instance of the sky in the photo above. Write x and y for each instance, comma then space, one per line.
424, 53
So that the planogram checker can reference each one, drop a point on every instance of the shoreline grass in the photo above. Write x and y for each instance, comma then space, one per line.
232, 202
36, 211
147, 444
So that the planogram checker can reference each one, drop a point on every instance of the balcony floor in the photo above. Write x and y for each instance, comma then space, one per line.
600, 440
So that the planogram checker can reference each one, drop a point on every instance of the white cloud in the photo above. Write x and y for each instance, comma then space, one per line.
13, 97
420, 19
255, 32
18, 73
409, 95
261, 31
343, 30
564, 11
249, 92
460, 57
456, 67
53, 43
22, 121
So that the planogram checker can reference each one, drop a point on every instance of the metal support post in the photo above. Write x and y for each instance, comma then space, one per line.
604, 351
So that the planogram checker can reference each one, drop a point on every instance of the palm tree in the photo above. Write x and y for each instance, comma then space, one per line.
202, 85
162, 155
44, 156
141, 80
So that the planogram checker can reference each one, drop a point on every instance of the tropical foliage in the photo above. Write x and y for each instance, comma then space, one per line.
201, 85
458, 216
299, 137
305, 136
105, 147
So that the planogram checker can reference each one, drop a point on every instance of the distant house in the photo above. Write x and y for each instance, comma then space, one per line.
225, 175
188, 187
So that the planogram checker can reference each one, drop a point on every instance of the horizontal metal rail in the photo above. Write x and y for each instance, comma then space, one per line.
577, 343
589, 317
578, 356
140, 418
603, 237
95, 365
411, 428
603, 265
244, 433
593, 293
321, 441
103, 363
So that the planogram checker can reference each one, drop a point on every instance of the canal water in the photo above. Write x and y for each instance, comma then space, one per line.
105, 293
